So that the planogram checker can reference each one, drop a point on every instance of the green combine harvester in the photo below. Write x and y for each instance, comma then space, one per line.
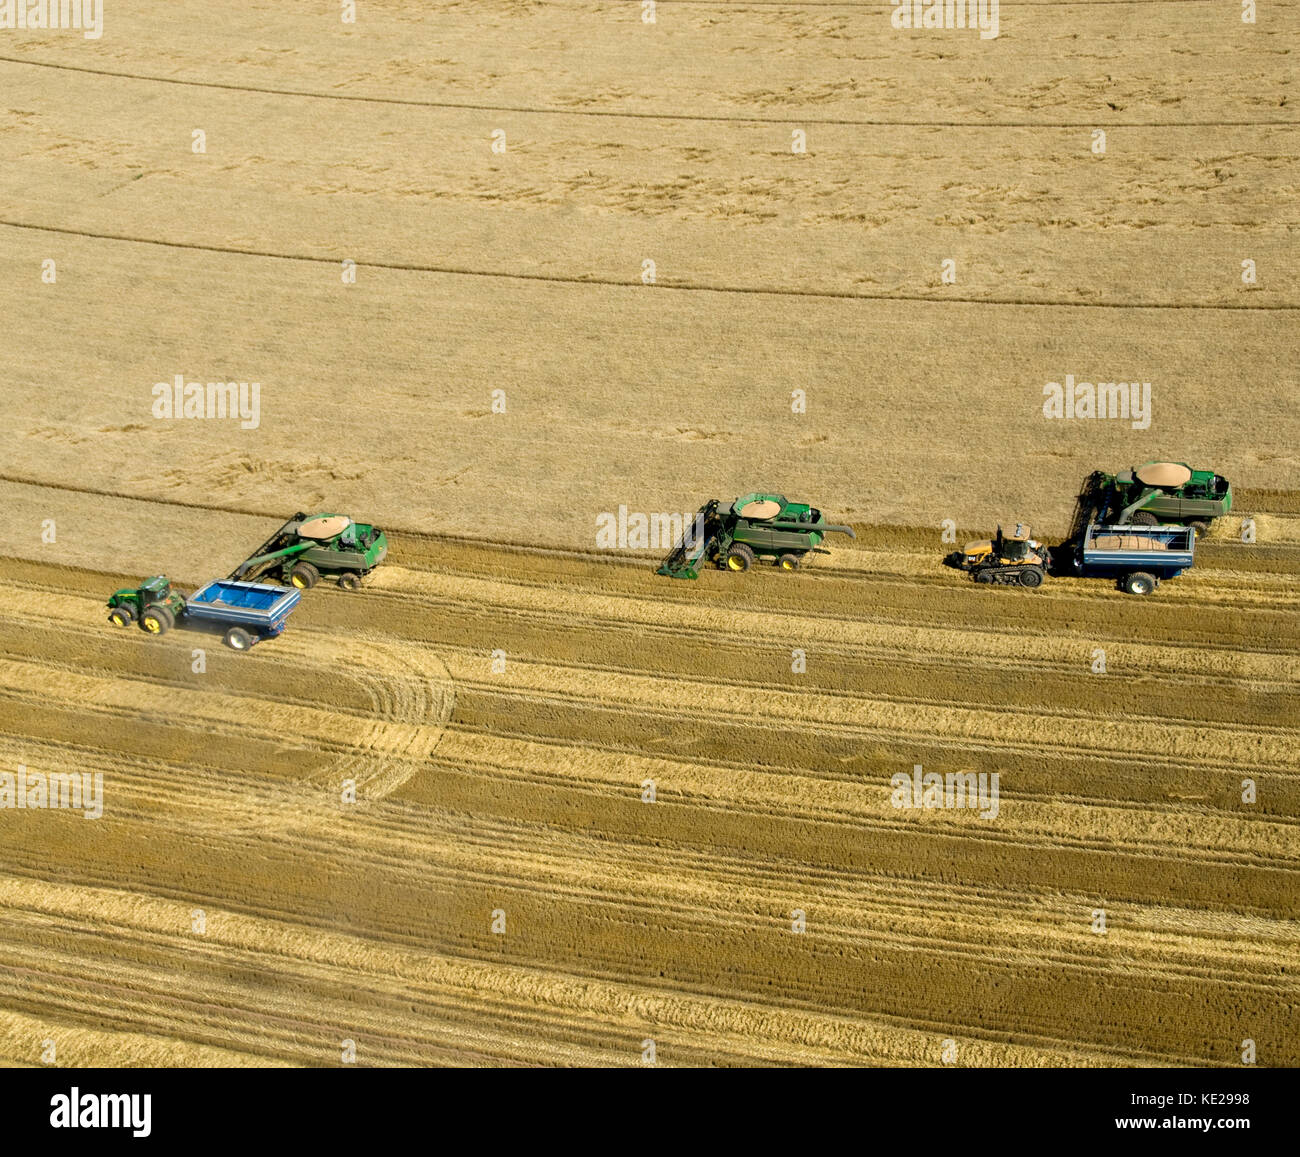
756, 526
307, 547
1156, 494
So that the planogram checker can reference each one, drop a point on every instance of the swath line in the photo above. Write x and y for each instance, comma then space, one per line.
639, 287
715, 118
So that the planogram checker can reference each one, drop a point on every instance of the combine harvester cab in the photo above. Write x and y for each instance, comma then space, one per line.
305, 548
248, 612
1138, 557
755, 526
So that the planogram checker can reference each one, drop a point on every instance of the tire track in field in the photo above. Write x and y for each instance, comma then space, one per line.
418, 835
683, 892
572, 877
500, 859
593, 281
408, 696
483, 994
845, 717
666, 116
281, 681
914, 665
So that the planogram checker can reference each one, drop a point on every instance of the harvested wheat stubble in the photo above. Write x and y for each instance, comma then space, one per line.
470, 997
477, 819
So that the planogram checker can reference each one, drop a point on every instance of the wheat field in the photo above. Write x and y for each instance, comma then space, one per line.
599, 812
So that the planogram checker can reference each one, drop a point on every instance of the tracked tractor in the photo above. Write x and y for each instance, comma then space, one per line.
737, 535
306, 548
1013, 559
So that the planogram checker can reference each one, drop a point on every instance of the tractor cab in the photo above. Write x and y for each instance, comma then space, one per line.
151, 603
157, 589
1011, 549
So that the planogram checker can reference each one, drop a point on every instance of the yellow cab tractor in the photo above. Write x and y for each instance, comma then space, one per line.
1016, 559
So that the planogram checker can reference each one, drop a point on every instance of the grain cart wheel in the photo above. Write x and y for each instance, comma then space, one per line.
349, 580
304, 576
157, 620
121, 616
1145, 518
740, 557
1199, 528
1031, 576
238, 639
789, 562
1139, 583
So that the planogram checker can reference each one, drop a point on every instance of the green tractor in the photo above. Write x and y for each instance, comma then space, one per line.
1160, 494
756, 526
153, 604
305, 548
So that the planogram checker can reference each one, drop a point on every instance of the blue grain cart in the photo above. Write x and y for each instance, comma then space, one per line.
249, 612
1137, 557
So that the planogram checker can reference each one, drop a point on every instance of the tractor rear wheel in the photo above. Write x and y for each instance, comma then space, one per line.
121, 615
740, 557
1145, 518
157, 620
349, 580
304, 576
983, 576
1139, 583
238, 639
1031, 576
789, 562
